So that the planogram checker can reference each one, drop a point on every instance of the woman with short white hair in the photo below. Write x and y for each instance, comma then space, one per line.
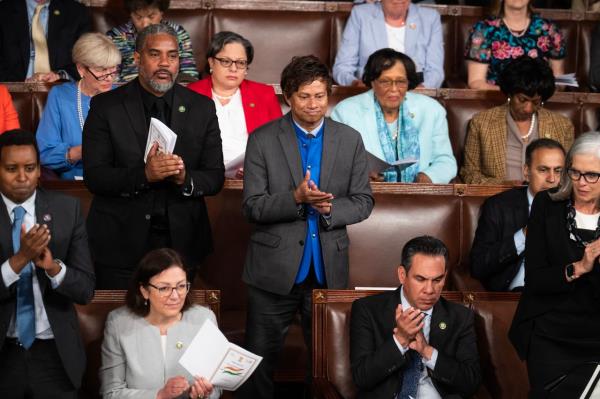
59, 132
556, 328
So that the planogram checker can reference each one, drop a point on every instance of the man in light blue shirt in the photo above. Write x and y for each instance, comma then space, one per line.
411, 343
52, 26
498, 252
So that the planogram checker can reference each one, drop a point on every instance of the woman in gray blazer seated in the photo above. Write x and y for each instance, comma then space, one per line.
144, 340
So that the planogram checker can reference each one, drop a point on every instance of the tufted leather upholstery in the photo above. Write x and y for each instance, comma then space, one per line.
504, 375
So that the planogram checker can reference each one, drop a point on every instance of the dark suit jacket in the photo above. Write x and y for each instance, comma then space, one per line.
377, 363
67, 20
548, 249
494, 258
114, 141
69, 244
272, 171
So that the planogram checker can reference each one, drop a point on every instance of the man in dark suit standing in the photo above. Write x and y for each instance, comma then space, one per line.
305, 180
45, 267
411, 343
36, 39
140, 206
499, 245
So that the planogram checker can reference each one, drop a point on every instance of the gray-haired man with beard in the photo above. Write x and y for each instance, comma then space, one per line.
140, 206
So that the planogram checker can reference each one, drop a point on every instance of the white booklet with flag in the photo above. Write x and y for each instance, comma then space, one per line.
232, 166
567, 79
161, 134
224, 364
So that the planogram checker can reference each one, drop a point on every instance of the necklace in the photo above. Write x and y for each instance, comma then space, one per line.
224, 97
79, 110
531, 126
516, 32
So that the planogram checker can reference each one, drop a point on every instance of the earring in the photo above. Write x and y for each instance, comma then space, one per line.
210, 70
146, 302
508, 100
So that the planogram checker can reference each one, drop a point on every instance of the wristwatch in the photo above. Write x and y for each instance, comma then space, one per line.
570, 272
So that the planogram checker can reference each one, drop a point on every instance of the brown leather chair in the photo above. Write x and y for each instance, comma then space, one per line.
92, 318
504, 375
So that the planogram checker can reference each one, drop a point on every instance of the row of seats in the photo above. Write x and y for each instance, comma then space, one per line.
582, 108
402, 211
280, 30
504, 375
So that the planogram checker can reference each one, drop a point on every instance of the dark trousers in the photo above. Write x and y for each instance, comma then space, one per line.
36, 373
548, 361
118, 277
268, 320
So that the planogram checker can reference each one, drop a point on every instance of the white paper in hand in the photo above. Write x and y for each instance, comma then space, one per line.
232, 166
224, 364
161, 134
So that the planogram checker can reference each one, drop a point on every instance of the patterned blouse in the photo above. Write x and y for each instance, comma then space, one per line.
491, 42
124, 38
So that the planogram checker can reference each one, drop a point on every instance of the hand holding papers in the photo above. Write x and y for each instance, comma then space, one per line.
161, 163
162, 135
224, 364
234, 165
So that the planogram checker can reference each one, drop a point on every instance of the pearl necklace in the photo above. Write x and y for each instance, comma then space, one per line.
224, 97
79, 107
526, 137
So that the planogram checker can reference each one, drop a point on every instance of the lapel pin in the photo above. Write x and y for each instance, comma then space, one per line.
412, 116
179, 345
412, 26
57, 12
251, 105
181, 108
442, 325
47, 217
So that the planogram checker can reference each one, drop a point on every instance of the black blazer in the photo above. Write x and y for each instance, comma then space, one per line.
494, 258
377, 362
67, 20
69, 244
548, 249
114, 140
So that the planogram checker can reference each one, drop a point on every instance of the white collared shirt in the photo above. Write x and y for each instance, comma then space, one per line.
42, 324
232, 123
426, 389
312, 132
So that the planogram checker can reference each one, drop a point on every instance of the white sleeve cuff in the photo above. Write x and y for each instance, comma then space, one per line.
8, 274
60, 276
402, 349
430, 364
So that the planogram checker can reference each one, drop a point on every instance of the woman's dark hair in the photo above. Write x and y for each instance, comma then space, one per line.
495, 8
155, 262
219, 41
385, 58
301, 70
135, 5
530, 76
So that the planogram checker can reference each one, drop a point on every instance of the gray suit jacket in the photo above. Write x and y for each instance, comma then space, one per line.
68, 243
133, 365
272, 171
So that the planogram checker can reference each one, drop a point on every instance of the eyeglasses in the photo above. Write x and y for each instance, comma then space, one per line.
590, 177
166, 291
388, 83
226, 62
105, 77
